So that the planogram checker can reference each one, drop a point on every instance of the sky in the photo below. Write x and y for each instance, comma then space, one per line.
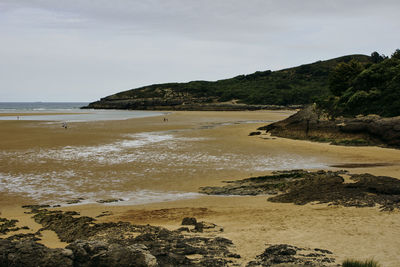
82, 50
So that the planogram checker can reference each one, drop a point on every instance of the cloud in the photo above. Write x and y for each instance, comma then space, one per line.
94, 48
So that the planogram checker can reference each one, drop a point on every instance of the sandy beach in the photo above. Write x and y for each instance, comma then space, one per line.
157, 167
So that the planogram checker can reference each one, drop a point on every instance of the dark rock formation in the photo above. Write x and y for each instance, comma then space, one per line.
115, 244
364, 130
29, 253
286, 255
302, 187
254, 133
8, 225
79, 253
110, 200
262, 185
98, 253
189, 221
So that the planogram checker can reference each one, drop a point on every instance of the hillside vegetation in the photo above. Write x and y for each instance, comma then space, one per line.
294, 86
364, 88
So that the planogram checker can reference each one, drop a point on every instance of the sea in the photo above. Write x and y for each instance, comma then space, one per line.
66, 112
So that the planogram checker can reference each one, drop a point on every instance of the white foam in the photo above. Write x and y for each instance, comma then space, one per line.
123, 151
56, 188
151, 152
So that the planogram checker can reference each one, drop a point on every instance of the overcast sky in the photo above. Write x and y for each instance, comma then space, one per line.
81, 50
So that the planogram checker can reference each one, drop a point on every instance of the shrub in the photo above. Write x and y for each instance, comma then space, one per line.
356, 263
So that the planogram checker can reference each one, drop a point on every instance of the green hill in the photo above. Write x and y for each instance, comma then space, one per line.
294, 86
364, 88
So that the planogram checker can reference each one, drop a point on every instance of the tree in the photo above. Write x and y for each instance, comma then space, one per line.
376, 58
396, 54
342, 76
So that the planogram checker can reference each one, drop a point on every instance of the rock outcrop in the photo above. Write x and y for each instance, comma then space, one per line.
29, 253
80, 253
302, 187
287, 255
363, 130
113, 244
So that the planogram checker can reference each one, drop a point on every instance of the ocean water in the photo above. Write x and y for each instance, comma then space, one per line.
76, 114
39, 106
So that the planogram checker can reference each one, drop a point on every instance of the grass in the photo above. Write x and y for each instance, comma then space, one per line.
356, 263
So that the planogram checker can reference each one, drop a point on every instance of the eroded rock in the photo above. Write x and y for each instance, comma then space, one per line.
302, 187
362, 130
287, 255
104, 243
29, 253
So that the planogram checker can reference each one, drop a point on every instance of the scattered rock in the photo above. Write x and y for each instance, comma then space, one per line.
254, 133
207, 227
29, 253
189, 221
8, 225
110, 200
94, 244
287, 255
183, 229
29, 236
74, 201
104, 213
72, 213
98, 253
34, 208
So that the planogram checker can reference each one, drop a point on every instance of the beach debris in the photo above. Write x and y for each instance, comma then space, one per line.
287, 255
301, 187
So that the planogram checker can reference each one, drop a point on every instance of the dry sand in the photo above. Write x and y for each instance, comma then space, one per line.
250, 222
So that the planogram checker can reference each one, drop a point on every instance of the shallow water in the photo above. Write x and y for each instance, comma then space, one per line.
78, 115
135, 167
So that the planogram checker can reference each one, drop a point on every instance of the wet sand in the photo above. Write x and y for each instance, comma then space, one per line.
250, 222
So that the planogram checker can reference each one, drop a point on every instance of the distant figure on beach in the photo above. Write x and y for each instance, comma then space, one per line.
165, 119
64, 125
17, 117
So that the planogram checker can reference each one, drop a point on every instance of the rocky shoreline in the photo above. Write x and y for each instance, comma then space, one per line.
194, 243
180, 104
124, 244
310, 124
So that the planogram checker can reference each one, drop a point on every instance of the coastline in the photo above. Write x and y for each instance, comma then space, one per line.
250, 222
